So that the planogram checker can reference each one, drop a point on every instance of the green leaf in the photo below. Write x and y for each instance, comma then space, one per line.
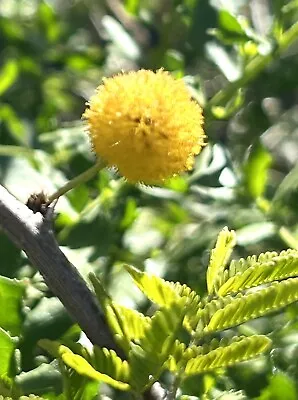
7, 347
280, 387
13, 122
256, 170
219, 257
174, 60
225, 354
44, 377
254, 305
230, 108
11, 294
164, 292
199, 320
253, 271
130, 213
229, 22
132, 6
147, 359
156, 289
48, 20
231, 30
81, 366
48, 319
107, 362
8, 75
176, 358
134, 322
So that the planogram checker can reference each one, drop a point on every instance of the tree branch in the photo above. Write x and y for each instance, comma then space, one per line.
32, 232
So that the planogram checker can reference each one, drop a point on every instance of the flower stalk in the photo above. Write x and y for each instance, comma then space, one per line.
84, 177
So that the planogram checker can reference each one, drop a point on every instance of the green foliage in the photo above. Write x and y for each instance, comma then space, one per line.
152, 344
82, 367
267, 267
156, 289
240, 63
148, 357
223, 355
280, 387
256, 170
253, 305
7, 347
219, 257
11, 292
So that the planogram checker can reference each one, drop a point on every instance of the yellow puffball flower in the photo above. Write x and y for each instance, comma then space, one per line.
146, 125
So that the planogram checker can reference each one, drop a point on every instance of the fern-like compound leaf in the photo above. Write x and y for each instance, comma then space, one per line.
107, 362
147, 359
253, 271
125, 321
180, 355
200, 318
163, 292
226, 353
116, 369
253, 305
220, 256
156, 289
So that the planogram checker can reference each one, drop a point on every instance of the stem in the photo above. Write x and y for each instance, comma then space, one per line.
84, 177
253, 68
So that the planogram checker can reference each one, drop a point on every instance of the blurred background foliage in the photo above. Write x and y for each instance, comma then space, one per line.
236, 59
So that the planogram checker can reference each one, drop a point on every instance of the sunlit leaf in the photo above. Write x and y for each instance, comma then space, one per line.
80, 365
7, 347
13, 123
256, 170
11, 295
8, 75
281, 386
254, 271
219, 257
156, 289
147, 359
254, 305
239, 350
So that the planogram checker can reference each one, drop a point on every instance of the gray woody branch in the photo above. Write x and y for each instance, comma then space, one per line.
33, 234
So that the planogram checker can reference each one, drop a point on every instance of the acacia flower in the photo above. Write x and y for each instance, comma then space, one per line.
146, 125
